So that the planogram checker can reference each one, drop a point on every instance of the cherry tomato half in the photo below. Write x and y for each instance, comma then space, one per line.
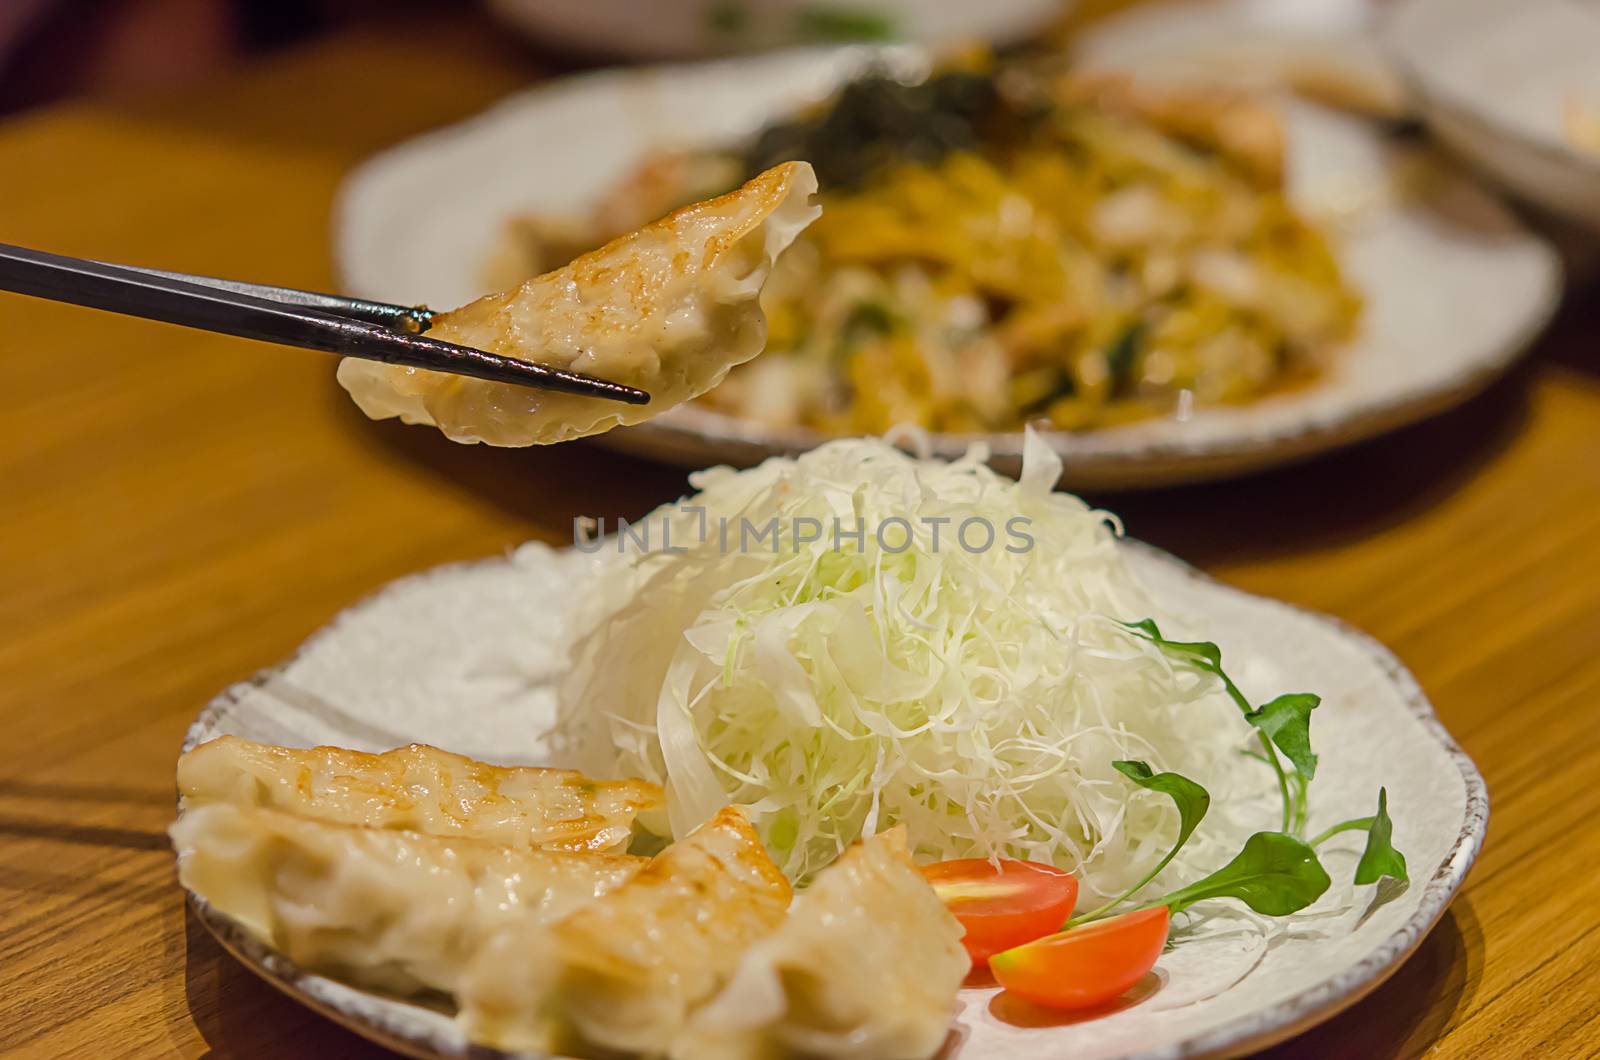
1004, 907
1085, 966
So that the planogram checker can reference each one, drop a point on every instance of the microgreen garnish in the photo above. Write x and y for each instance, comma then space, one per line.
1379, 858
829, 22
1287, 723
1206, 657
1355, 824
1192, 801
1276, 874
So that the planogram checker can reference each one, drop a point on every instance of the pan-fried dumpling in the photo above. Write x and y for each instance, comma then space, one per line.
399, 911
423, 789
866, 967
623, 973
668, 309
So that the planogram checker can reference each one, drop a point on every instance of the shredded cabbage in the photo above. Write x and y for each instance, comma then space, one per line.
976, 695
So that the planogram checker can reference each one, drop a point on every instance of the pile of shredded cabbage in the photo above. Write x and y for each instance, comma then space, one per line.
977, 695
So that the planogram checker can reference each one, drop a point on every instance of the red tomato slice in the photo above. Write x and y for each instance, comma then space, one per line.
1004, 907
1086, 966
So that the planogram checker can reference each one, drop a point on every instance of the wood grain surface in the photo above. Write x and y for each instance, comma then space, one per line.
181, 509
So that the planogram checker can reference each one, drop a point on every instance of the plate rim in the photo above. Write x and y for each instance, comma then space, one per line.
1246, 1032
1414, 70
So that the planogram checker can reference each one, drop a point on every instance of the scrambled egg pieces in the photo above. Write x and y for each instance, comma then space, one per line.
1012, 244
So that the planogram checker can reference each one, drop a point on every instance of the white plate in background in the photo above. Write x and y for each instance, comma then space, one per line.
1455, 287
1502, 83
673, 29
1323, 48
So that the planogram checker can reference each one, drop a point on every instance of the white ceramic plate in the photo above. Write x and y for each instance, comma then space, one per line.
1455, 288
1499, 82
1325, 49
467, 658
662, 29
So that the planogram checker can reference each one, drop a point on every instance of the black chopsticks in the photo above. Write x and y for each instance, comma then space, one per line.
351, 327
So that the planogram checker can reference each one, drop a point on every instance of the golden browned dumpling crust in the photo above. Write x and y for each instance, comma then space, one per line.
668, 309
422, 789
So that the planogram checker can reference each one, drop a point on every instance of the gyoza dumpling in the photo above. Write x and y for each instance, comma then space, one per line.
866, 967
667, 309
623, 973
399, 911
423, 789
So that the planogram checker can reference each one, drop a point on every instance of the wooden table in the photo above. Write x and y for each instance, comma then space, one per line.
181, 509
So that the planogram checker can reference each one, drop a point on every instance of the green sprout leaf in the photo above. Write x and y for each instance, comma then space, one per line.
1355, 824
1276, 874
1207, 657
1192, 801
1201, 652
1380, 858
1286, 721
830, 22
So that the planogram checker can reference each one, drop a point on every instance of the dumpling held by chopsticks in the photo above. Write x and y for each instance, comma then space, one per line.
668, 309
